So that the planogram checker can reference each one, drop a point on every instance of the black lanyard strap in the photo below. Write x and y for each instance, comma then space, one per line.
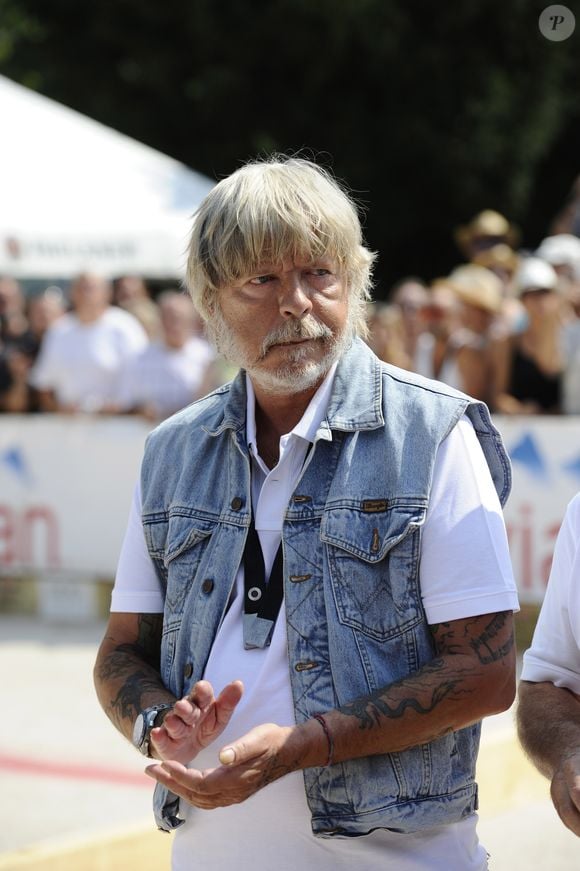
262, 597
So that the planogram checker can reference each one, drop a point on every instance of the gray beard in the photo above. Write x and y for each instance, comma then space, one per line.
297, 373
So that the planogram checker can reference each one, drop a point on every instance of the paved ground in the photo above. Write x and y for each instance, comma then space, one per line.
68, 776
65, 771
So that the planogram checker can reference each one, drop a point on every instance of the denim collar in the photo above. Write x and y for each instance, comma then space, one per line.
355, 402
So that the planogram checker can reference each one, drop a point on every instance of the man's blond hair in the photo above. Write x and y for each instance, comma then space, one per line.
270, 210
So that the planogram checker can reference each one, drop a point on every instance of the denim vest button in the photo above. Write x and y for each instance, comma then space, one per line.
187, 670
305, 666
236, 503
207, 585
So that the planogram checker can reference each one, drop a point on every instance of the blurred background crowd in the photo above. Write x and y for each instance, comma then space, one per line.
503, 326
458, 139
100, 346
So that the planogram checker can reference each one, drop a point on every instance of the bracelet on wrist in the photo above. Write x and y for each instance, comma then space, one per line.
329, 738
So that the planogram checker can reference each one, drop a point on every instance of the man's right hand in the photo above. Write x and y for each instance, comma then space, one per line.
565, 792
195, 721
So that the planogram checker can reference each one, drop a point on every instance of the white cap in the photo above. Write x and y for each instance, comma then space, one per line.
534, 274
561, 249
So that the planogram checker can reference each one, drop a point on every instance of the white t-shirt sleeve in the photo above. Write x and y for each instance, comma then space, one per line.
465, 565
137, 588
554, 654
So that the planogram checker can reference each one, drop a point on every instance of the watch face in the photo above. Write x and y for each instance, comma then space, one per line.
143, 725
139, 730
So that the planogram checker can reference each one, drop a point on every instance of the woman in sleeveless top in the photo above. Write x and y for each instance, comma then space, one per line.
531, 375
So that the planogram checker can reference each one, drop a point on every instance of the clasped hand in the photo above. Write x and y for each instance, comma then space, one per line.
195, 721
246, 766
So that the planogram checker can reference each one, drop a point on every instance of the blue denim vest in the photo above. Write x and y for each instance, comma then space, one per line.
351, 544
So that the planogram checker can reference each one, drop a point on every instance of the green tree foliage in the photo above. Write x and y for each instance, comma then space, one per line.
429, 111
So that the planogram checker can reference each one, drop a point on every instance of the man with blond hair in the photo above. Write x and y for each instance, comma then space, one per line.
313, 606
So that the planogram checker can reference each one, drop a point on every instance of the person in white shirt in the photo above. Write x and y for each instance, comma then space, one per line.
548, 710
81, 355
258, 682
168, 374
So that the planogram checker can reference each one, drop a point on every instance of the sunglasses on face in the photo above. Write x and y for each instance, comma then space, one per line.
536, 291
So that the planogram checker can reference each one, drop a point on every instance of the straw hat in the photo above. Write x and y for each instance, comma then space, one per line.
486, 224
477, 286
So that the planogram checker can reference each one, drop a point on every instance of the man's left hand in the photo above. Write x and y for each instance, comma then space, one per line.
261, 756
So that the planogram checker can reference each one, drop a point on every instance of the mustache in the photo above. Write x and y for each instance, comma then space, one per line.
292, 331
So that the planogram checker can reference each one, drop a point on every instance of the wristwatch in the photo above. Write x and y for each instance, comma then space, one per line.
143, 725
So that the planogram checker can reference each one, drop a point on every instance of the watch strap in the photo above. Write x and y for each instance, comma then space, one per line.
149, 718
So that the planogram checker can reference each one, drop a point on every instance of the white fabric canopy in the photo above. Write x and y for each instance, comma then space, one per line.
76, 195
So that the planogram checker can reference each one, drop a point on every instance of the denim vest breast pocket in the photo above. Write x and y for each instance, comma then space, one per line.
373, 558
180, 542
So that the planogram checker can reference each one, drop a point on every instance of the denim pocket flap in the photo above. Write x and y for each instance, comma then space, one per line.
370, 535
177, 535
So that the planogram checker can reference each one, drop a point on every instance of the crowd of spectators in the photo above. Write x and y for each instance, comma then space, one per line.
107, 347
503, 326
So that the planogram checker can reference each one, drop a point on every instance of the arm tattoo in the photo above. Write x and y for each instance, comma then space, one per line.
136, 665
484, 636
127, 702
489, 646
445, 639
423, 695
146, 648
462, 647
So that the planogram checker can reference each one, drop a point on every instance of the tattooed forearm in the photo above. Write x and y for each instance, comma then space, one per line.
129, 680
490, 637
128, 701
148, 642
127, 675
420, 693
146, 648
471, 675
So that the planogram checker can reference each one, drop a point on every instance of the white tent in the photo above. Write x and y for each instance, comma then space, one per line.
76, 195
